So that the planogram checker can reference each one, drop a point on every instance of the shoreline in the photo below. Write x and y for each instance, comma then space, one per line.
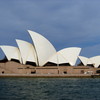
50, 76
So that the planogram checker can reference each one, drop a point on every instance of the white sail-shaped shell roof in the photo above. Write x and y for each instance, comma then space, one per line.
58, 59
89, 62
44, 49
84, 60
67, 55
71, 54
11, 52
95, 61
27, 51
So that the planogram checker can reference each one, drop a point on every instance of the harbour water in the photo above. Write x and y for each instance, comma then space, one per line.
49, 89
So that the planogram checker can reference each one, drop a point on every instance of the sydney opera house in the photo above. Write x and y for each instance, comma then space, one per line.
41, 58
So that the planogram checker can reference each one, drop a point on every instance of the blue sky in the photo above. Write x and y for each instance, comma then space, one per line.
66, 23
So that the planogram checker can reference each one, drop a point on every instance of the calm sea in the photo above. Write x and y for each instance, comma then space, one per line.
49, 89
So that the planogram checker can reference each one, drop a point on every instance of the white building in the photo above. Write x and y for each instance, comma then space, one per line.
41, 52
11, 52
94, 61
44, 49
67, 55
27, 51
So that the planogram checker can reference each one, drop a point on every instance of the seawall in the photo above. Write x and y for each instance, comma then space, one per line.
13, 69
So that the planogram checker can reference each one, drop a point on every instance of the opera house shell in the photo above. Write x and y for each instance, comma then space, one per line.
41, 52
93, 61
41, 59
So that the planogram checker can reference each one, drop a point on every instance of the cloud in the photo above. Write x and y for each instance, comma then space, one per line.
65, 23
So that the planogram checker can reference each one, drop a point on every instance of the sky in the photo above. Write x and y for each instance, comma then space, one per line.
65, 23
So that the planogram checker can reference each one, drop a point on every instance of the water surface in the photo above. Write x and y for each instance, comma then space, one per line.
49, 89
